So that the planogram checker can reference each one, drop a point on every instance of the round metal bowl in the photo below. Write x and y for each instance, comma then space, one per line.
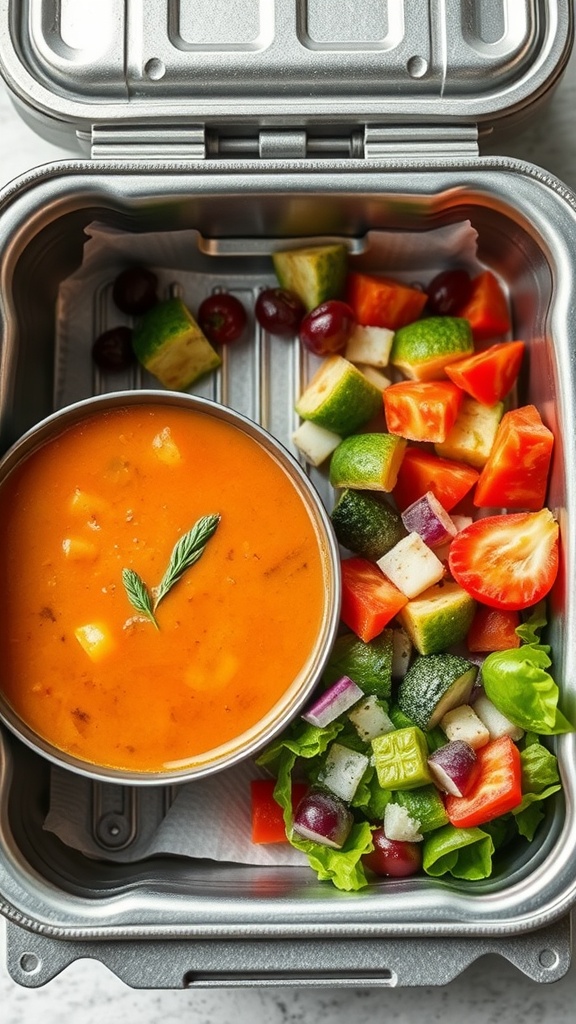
297, 693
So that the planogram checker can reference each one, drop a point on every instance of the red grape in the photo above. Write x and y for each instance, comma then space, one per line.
393, 857
449, 292
327, 328
134, 290
279, 311
112, 350
222, 318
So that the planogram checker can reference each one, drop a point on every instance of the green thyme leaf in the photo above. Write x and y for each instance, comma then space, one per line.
138, 594
186, 552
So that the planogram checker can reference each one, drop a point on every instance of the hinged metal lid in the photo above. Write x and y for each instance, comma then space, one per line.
226, 75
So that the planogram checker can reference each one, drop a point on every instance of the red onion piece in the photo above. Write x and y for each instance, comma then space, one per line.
454, 767
333, 702
430, 519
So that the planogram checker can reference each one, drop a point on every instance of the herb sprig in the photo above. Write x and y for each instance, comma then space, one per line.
138, 594
185, 553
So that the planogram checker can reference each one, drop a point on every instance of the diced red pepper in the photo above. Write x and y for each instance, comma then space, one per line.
516, 473
493, 629
369, 599
488, 376
421, 410
382, 302
267, 815
497, 789
421, 471
487, 308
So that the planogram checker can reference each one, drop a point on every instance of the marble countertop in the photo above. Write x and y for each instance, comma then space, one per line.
491, 990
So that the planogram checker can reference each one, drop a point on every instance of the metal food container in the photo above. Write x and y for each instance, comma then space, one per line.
257, 126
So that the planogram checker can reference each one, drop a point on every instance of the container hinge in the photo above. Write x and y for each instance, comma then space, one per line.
392, 142
136, 142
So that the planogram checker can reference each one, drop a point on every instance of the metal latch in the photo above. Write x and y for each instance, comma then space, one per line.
393, 142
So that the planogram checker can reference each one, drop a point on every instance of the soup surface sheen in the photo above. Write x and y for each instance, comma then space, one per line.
78, 663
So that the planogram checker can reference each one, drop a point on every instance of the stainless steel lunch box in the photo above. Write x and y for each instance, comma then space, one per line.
256, 126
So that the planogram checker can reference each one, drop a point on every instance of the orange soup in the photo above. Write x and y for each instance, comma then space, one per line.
80, 663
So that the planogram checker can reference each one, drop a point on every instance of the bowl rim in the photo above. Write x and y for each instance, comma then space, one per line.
263, 732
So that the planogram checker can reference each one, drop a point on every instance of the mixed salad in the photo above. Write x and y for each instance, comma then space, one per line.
424, 750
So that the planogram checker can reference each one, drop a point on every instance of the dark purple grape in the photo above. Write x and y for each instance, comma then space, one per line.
279, 311
112, 351
327, 328
222, 318
135, 290
449, 292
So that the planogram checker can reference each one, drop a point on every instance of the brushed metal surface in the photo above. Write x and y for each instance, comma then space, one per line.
526, 222
229, 64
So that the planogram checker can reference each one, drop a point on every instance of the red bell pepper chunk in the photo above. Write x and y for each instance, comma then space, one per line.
488, 376
421, 471
515, 474
381, 302
487, 308
421, 410
369, 599
496, 790
493, 629
267, 815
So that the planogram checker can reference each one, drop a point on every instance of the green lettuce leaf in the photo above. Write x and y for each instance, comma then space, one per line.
519, 685
540, 779
342, 867
461, 852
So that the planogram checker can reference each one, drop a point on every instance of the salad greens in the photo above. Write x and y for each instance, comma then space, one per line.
518, 684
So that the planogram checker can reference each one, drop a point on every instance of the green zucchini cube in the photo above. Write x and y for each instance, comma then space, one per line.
400, 759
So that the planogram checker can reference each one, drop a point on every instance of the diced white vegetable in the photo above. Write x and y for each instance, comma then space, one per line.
342, 770
427, 517
454, 767
369, 345
323, 818
316, 443
337, 699
411, 565
400, 825
496, 723
370, 719
461, 522
401, 653
462, 723
471, 437
378, 379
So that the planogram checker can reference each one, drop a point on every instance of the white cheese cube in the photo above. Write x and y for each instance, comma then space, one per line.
462, 723
316, 443
370, 345
496, 723
400, 826
369, 719
342, 771
411, 565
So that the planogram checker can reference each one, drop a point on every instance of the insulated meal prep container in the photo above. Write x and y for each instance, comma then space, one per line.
237, 130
